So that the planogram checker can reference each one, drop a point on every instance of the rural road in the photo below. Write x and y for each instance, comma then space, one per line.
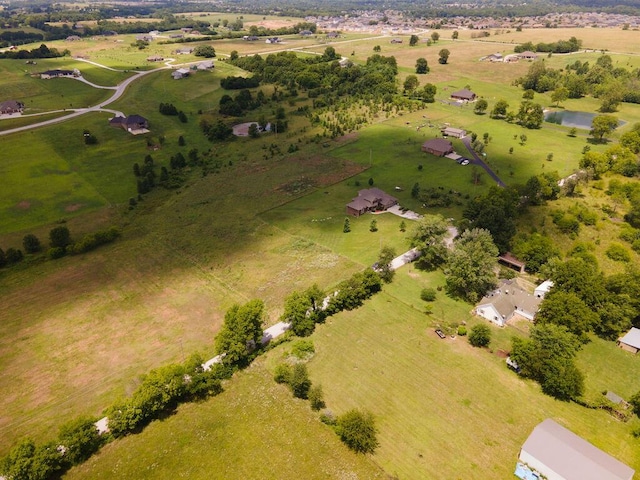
119, 91
478, 161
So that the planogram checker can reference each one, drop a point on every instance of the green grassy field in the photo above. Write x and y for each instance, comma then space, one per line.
446, 410
255, 429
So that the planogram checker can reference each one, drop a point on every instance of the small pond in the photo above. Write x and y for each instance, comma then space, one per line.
568, 118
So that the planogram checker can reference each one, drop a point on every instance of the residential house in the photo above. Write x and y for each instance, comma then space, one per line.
9, 107
542, 289
273, 40
370, 200
180, 73
132, 124
176, 35
438, 147
559, 454
631, 341
454, 132
155, 58
206, 65
494, 57
396, 40
60, 73
184, 51
306, 33
528, 55
506, 302
464, 95
72, 38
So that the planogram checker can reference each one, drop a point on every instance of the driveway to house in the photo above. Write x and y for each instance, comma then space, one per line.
119, 91
478, 161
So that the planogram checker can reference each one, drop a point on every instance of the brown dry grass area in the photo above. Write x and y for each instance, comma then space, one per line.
270, 24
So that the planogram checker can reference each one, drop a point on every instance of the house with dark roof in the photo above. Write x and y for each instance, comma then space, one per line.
506, 302
59, 73
438, 147
559, 454
631, 341
9, 107
133, 123
370, 200
464, 95
155, 58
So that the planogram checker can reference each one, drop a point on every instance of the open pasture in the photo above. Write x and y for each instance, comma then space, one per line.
274, 437
445, 409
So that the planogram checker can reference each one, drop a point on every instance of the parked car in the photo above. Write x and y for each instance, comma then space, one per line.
440, 333
463, 161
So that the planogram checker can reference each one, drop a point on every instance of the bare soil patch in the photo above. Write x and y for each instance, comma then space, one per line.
24, 205
74, 207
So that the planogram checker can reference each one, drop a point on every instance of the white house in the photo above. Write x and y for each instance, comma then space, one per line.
506, 302
631, 341
454, 132
559, 454
542, 289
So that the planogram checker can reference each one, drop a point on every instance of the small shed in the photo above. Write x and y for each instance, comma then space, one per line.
180, 73
512, 262
631, 341
542, 289
454, 132
528, 55
438, 147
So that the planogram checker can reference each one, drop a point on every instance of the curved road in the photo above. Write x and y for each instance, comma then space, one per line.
478, 161
119, 91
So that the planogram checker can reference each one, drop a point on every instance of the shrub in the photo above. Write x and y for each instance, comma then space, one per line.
13, 255
56, 252
31, 243
462, 330
303, 349
327, 417
615, 252
480, 335
358, 431
428, 294
299, 381
80, 438
316, 397
59, 237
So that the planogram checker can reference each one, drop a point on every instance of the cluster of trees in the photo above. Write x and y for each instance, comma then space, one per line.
170, 109
297, 377
548, 357
77, 440
238, 83
435, 197
161, 391
40, 52
19, 37
561, 46
468, 265
602, 80
529, 115
218, 130
243, 101
303, 310
617, 158
61, 243
426, 94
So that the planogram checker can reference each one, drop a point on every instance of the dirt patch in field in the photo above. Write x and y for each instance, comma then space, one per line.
74, 207
24, 205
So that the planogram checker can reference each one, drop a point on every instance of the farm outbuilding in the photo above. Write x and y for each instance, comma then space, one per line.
438, 147
465, 94
454, 132
631, 341
559, 454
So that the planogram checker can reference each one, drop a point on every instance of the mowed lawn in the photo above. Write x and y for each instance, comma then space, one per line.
445, 410
255, 429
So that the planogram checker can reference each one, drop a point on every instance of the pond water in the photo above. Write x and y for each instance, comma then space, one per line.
568, 118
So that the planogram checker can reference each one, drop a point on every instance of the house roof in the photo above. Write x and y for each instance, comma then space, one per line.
528, 53
612, 397
375, 194
11, 105
509, 296
438, 145
572, 457
544, 286
358, 204
464, 93
632, 338
453, 131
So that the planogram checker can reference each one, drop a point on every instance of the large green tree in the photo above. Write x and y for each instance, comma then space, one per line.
206, 51
80, 439
499, 109
470, 265
422, 66
603, 125
428, 237
443, 56
357, 429
303, 310
567, 309
385, 257
241, 332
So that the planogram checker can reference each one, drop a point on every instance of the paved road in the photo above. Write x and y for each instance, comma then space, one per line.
476, 160
119, 91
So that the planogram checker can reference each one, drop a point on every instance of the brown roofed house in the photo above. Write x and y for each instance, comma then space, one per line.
438, 147
370, 200
11, 106
464, 94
